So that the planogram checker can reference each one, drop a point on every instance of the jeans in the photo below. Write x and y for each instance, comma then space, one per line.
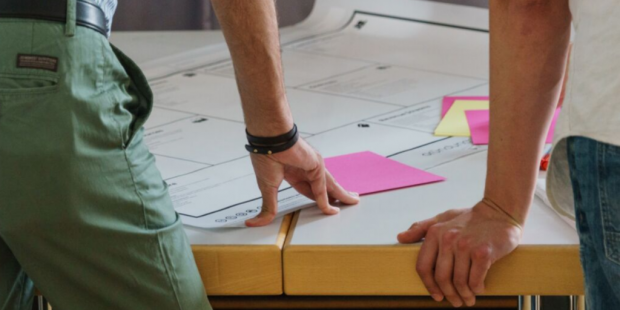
595, 176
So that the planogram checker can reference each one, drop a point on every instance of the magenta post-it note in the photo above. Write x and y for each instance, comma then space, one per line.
478, 121
552, 127
367, 173
449, 101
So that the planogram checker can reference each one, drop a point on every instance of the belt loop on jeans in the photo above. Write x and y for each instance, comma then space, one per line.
71, 22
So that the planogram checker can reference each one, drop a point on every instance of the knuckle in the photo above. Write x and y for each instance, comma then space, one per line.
319, 157
450, 236
482, 253
442, 278
460, 284
433, 231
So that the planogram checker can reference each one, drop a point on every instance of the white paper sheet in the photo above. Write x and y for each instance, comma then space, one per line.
172, 167
198, 139
392, 84
372, 83
160, 117
405, 43
383, 140
439, 153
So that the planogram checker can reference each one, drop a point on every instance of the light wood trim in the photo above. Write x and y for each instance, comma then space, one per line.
390, 270
243, 269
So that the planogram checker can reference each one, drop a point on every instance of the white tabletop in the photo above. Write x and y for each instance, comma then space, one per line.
145, 47
380, 217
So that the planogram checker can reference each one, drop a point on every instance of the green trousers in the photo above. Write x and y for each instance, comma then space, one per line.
85, 216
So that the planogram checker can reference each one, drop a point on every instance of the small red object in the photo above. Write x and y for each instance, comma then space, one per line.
544, 163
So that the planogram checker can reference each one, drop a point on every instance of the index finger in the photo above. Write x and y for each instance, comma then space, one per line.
417, 231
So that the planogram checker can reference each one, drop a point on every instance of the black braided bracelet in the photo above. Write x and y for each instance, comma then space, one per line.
259, 145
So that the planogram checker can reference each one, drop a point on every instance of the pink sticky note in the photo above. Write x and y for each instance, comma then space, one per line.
367, 172
449, 101
478, 121
552, 128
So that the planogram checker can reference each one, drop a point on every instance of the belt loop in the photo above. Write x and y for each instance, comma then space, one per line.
71, 18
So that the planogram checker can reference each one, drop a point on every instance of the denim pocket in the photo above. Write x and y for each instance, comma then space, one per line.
609, 187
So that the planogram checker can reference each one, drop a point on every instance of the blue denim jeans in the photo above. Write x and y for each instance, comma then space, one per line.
595, 175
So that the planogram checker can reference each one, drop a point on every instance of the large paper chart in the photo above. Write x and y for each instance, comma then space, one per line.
374, 84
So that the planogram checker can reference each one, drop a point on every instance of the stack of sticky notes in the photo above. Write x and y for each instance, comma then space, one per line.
469, 117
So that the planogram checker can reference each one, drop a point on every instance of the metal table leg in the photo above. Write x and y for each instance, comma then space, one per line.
578, 302
528, 302
41, 303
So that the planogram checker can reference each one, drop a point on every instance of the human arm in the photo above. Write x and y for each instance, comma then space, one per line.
251, 32
529, 45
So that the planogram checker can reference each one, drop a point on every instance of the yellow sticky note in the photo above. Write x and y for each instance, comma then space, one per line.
455, 122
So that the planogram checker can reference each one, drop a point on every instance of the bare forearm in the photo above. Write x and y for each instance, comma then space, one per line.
529, 45
251, 31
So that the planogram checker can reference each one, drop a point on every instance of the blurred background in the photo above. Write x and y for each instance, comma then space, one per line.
138, 15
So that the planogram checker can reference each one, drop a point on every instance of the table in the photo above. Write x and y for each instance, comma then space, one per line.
355, 253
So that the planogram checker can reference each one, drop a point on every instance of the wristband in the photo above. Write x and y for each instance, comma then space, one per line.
270, 141
269, 150
259, 145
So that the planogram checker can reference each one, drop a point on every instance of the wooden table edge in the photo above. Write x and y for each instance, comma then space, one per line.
389, 270
243, 270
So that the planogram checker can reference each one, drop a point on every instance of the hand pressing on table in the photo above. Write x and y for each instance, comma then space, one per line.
255, 50
459, 248
529, 48
303, 168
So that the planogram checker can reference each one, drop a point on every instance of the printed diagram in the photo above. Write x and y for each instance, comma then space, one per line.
374, 85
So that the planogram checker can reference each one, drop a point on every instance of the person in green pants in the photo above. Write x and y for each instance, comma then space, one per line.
85, 216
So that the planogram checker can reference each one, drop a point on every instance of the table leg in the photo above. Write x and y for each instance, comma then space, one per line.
578, 302
525, 302
41, 303
529, 302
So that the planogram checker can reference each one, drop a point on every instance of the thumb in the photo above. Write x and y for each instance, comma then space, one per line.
417, 231
269, 208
